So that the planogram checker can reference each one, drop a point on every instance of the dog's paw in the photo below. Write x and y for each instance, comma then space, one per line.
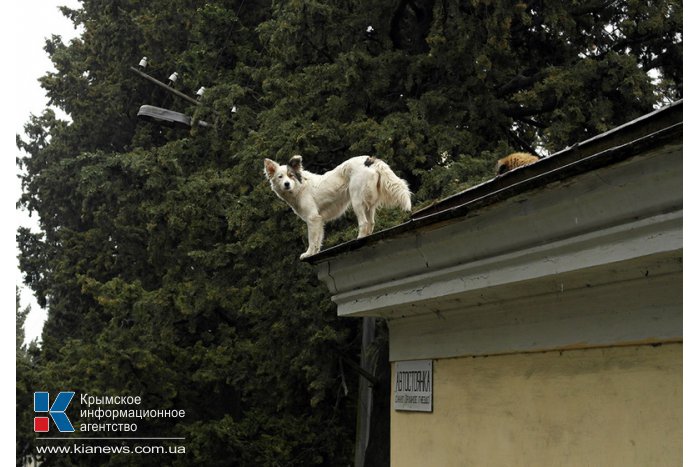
309, 252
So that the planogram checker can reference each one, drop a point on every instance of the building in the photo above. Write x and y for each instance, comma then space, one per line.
536, 319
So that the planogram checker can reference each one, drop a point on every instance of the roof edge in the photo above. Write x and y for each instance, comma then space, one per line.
658, 128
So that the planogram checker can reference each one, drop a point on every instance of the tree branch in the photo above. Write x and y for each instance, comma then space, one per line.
550, 103
519, 82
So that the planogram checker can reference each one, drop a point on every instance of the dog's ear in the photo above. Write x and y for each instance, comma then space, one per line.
295, 164
270, 168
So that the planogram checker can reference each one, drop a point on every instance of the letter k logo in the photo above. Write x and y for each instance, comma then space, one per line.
57, 411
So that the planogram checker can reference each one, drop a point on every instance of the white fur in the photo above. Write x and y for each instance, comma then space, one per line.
318, 199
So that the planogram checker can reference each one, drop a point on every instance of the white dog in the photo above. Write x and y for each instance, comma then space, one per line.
364, 182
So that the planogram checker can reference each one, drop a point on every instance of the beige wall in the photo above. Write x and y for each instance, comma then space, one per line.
596, 407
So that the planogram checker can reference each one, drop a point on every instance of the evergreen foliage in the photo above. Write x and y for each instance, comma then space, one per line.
168, 267
24, 363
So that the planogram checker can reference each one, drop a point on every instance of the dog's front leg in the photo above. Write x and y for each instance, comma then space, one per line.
314, 224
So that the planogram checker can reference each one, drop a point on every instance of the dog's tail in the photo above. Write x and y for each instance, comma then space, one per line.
393, 191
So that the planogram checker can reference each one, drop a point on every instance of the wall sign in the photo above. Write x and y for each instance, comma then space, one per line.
413, 385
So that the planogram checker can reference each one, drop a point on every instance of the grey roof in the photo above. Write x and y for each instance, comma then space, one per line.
651, 130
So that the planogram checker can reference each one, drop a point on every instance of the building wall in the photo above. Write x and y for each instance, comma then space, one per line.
618, 406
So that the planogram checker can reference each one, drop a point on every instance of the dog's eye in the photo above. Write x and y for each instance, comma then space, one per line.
280, 176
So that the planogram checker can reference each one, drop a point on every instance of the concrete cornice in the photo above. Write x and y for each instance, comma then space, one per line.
603, 218
582, 249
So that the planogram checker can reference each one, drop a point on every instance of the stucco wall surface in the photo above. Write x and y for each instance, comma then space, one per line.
617, 406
